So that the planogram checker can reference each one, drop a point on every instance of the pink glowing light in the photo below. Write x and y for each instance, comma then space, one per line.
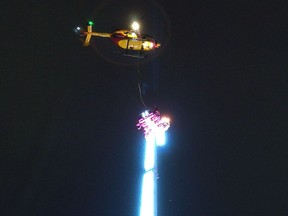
151, 122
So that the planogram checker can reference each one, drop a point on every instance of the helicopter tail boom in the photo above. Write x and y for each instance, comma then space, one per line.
90, 33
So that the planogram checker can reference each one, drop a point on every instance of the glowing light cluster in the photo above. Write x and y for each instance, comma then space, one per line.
154, 128
151, 122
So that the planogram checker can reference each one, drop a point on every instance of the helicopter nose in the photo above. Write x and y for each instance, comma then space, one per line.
157, 45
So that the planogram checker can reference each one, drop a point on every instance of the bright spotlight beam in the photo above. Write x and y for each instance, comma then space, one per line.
147, 201
154, 128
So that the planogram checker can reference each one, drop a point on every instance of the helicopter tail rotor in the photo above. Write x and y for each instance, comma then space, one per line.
88, 33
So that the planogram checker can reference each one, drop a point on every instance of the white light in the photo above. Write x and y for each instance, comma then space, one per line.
135, 26
149, 153
165, 119
147, 198
154, 128
161, 138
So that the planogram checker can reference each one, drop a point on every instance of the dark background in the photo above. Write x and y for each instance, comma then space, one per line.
69, 145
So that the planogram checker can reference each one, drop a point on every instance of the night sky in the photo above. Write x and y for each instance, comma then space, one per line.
69, 144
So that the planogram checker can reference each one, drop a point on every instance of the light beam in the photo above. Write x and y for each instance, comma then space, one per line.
154, 128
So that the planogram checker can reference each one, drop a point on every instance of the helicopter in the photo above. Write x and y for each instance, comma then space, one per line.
129, 40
